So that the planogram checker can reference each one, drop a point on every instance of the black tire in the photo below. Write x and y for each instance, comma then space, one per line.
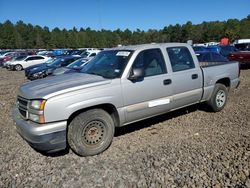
91, 132
218, 99
18, 67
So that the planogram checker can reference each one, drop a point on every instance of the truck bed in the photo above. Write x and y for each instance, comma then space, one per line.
213, 71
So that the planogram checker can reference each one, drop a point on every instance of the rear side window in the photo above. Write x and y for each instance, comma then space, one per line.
151, 61
34, 58
29, 59
180, 58
38, 57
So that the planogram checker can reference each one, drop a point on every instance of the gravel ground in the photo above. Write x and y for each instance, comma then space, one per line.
187, 148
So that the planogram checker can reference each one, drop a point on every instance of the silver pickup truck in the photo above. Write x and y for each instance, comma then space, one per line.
119, 86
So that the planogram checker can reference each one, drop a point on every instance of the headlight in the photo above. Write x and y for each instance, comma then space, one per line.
38, 74
37, 104
36, 111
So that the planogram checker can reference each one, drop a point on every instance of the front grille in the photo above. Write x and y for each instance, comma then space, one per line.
22, 105
22, 112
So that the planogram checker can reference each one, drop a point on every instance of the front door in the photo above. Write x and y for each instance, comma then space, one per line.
151, 95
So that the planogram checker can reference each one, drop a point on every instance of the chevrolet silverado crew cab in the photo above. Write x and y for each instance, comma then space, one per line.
119, 86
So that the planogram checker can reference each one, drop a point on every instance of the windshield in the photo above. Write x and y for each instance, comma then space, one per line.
55, 62
108, 64
77, 63
51, 60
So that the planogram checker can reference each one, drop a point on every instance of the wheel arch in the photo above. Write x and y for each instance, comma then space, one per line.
224, 81
109, 108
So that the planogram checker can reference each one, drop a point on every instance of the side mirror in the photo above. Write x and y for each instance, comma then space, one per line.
136, 74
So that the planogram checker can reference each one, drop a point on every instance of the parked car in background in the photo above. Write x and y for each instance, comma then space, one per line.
214, 48
44, 71
243, 46
200, 49
89, 54
35, 67
12, 55
25, 62
241, 56
6, 64
210, 57
73, 52
223, 50
227, 49
72, 67
6, 57
46, 53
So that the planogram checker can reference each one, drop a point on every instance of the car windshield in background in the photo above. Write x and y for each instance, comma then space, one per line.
50, 61
55, 63
85, 54
108, 64
77, 63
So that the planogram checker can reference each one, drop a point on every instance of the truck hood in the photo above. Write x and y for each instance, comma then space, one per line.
56, 85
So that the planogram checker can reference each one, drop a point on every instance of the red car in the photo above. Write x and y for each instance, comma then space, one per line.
242, 56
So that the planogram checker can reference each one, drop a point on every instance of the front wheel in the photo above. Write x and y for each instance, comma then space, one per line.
91, 132
18, 67
219, 98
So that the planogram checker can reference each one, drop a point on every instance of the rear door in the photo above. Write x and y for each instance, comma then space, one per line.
186, 78
151, 95
34, 60
38, 59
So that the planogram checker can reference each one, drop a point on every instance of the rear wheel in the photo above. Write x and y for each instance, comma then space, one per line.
219, 98
91, 132
18, 67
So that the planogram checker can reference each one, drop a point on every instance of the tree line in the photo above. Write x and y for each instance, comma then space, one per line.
21, 35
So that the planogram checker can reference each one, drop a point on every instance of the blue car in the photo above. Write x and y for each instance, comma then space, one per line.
47, 69
75, 66
200, 49
210, 57
216, 49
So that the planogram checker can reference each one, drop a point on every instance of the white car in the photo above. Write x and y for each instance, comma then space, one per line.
89, 53
21, 63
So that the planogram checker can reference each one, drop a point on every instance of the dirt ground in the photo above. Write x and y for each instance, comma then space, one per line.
187, 148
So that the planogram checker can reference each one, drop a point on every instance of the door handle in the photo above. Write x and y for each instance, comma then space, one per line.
194, 76
167, 81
